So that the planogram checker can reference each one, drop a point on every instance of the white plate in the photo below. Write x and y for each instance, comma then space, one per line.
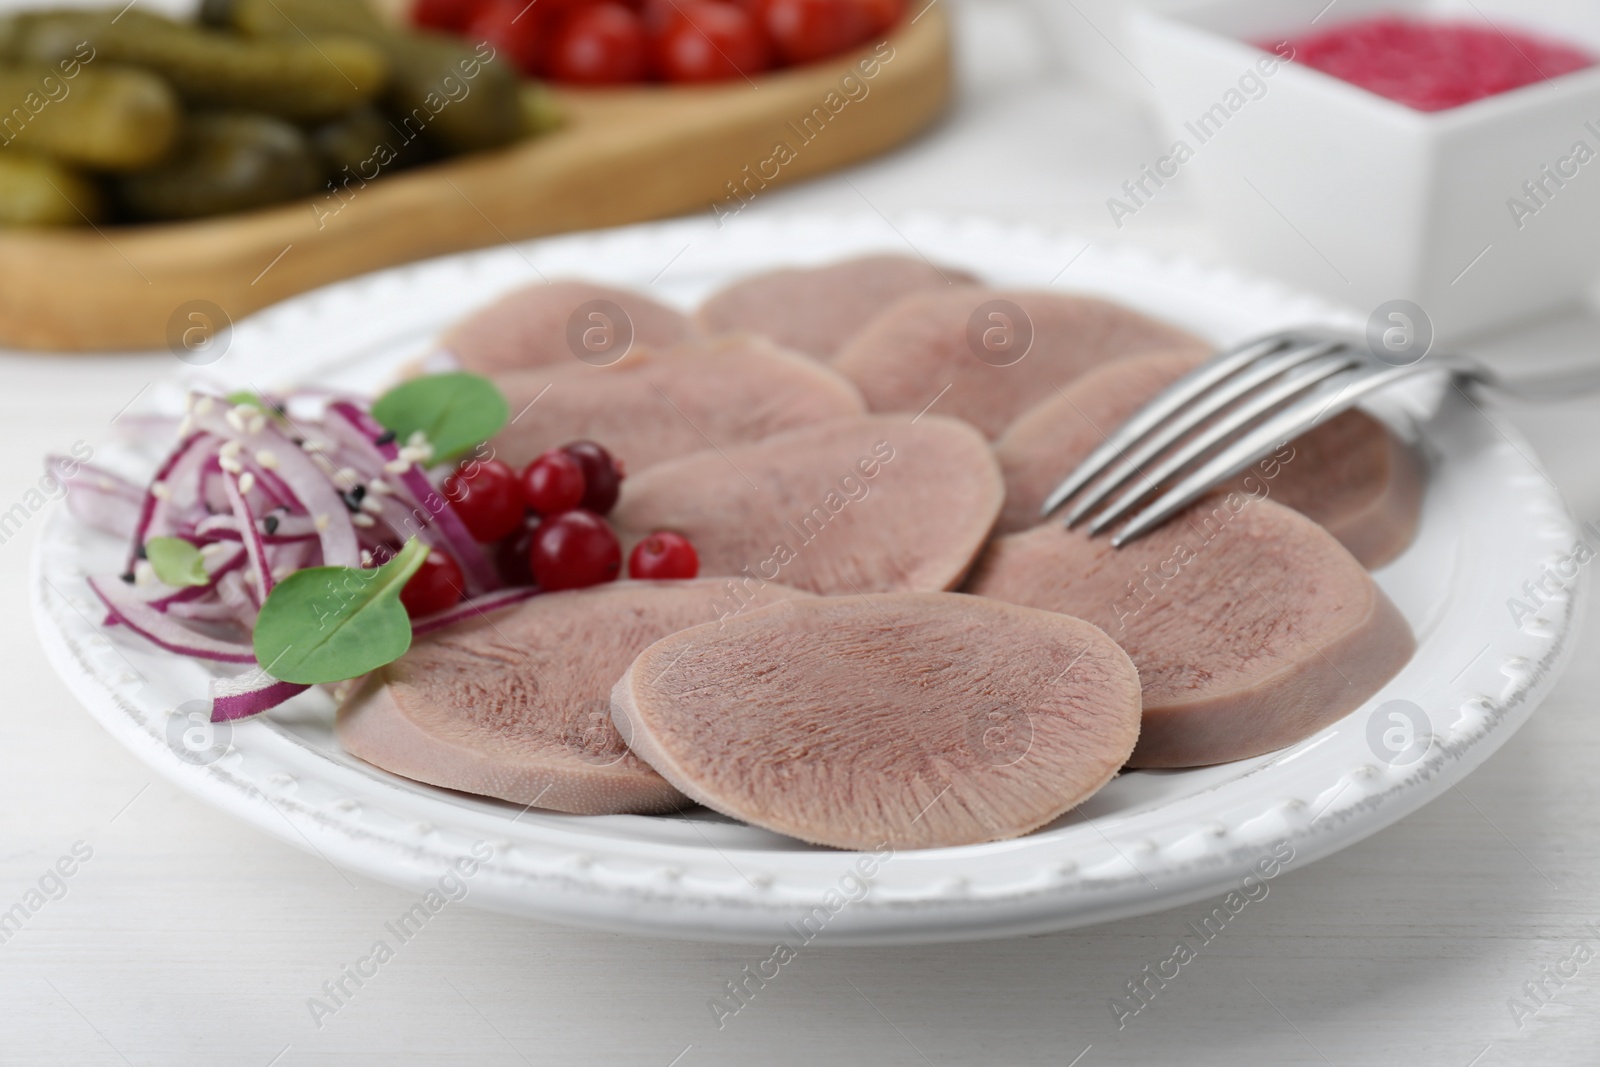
1149, 840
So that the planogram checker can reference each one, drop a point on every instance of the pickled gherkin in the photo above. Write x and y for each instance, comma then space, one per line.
458, 96
36, 191
303, 78
224, 161
108, 118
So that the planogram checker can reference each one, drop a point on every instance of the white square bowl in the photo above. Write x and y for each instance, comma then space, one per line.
1366, 200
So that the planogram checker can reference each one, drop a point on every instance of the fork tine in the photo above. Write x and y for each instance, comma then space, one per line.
1335, 396
1164, 404
1220, 431
1204, 407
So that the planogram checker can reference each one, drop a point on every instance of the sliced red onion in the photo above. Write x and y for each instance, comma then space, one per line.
164, 630
240, 595
471, 609
148, 506
480, 574
300, 476
252, 539
101, 499
249, 694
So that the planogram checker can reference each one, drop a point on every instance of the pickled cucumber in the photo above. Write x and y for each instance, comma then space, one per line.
107, 118
364, 143
223, 161
36, 191
441, 89
300, 78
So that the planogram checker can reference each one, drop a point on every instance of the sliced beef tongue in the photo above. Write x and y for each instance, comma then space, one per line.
1351, 474
654, 406
988, 355
905, 720
551, 323
1042, 447
879, 503
517, 704
1252, 628
816, 310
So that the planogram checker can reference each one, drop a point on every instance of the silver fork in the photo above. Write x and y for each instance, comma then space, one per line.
1260, 394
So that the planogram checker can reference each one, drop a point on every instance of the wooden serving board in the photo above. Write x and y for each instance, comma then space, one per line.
625, 155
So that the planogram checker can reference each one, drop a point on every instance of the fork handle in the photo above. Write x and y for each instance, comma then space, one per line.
1550, 388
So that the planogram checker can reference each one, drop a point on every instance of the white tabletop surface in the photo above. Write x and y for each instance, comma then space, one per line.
188, 938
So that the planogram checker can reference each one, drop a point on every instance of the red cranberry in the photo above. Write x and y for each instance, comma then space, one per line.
663, 554
487, 497
437, 586
574, 550
553, 483
602, 476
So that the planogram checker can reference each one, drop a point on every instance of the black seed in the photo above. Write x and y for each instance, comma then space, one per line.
271, 523
127, 576
385, 438
359, 492
299, 442
142, 552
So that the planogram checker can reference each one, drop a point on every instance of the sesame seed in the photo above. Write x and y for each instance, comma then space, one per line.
379, 487
160, 491
203, 405
235, 419
230, 448
397, 466
320, 522
372, 506
267, 459
247, 482
363, 520
229, 464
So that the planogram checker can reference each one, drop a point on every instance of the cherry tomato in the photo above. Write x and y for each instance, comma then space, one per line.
574, 550
553, 483
663, 554
450, 16
883, 14
602, 476
437, 586
513, 29
710, 41
808, 30
487, 497
601, 44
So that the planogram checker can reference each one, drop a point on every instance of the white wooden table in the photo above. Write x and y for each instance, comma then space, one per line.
187, 938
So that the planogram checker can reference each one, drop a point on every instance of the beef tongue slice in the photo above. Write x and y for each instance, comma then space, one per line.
815, 310
877, 503
654, 406
1351, 474
988, 355
1252, 628
550, 323
911, 720
517, 704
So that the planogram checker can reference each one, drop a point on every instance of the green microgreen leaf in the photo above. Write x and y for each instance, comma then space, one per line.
327, 624
245, 396
454, 411
177, 562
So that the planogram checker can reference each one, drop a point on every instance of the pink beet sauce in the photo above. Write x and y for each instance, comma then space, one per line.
1433, 65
